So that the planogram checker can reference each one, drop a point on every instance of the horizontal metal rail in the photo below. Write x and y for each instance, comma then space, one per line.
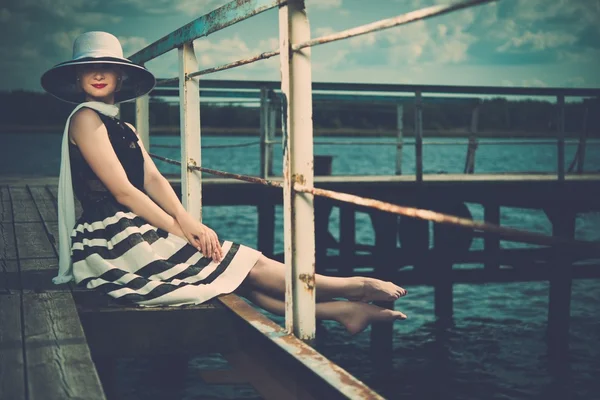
403, 19
361, 30
320, 97
505, 233
384, 143
220, 18
401, 87
209, 146
249, 60
246, 178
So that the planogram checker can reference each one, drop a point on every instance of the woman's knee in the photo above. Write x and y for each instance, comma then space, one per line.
258, 267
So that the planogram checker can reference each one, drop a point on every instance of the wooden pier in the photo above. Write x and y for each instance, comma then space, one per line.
61, 342
53, 336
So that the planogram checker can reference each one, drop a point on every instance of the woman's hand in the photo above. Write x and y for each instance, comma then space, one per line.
200, 236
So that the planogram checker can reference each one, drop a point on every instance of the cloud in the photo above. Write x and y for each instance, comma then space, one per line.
530, 41
191, 8
427, 42
195, 8
323, 4
63, 40
574, 56
132, 44
534, 82
575, 81
5, 15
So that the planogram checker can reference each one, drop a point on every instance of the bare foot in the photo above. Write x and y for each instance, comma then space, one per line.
356, 316
369, 289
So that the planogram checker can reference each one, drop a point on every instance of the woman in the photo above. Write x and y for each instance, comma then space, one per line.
134, 240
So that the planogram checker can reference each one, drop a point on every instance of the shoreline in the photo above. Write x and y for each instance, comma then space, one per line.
321, 132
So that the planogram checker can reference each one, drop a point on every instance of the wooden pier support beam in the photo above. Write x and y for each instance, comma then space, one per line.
444, 294
491, 242
382, 333
559, 307
347, 238
266, 228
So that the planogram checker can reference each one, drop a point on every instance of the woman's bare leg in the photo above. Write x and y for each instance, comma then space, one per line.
269, 276
355, 316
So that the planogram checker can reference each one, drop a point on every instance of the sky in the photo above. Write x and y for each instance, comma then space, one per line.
532, 43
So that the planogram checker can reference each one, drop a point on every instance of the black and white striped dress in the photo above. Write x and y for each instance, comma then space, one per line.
121, 254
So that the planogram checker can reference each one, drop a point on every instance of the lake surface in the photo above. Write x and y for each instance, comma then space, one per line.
496, 348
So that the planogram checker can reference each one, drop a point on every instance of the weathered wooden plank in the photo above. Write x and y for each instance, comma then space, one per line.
33, 241
44, 202
59, 365
53, 190
5, 211
10, 279
130, 331
279, 365
24, 209
8, 249
53, 232
12, 369
37, 274
18, 193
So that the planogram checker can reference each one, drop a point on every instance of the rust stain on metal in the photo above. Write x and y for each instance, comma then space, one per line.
224, 174
308, 280
331, 372
299, 178
222, 17
249, 60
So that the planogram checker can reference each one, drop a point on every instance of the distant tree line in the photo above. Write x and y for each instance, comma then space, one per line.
33, 109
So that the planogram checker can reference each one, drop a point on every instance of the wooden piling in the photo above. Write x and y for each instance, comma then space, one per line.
444, 293
382, 333
491, 243
347, 238
559, 306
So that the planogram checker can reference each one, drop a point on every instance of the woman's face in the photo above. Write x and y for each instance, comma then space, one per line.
99, 81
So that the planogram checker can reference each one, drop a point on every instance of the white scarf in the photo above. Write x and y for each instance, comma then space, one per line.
66, 202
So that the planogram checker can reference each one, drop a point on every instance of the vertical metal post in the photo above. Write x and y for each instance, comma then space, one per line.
142, 119
582, 142
271, 127
419, 136
264, 121
399, 137
189, 116
298, 167
266, 209
472, 146
560, 143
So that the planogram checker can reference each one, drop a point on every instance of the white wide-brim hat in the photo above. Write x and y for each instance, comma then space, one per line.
97, 48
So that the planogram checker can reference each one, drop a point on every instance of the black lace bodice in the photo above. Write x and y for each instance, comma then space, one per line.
88, 188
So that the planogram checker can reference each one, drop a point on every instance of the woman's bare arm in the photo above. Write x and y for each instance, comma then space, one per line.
91, 137
158, 187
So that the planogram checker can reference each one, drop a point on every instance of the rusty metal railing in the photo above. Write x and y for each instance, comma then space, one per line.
504, 233
296, 88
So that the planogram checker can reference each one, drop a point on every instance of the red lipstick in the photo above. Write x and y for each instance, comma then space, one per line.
99, 85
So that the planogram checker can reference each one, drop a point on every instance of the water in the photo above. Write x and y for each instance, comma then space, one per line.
496, 348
